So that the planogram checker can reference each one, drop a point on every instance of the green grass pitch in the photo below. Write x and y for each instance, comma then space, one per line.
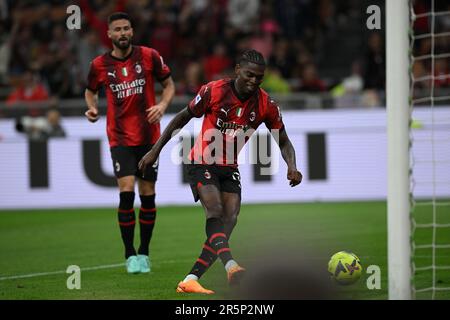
37, 246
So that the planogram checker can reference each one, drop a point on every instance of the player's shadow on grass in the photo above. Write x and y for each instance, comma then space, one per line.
285, 276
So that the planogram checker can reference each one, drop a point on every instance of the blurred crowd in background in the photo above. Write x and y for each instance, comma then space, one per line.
314, 46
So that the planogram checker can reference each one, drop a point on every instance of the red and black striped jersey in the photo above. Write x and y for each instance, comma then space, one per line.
129, 86
230, 120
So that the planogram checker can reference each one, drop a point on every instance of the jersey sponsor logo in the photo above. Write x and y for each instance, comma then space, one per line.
138, 68
112, 74
126, 89
230, 128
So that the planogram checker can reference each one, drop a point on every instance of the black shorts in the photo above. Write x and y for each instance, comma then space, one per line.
126, 159
225, 178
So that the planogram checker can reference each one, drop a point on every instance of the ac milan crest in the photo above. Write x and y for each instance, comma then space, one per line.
138, 68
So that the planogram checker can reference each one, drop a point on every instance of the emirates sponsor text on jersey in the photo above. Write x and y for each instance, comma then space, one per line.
126, 89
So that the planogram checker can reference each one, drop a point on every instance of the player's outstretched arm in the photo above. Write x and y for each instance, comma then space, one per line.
287, 151
178, 122
92, 103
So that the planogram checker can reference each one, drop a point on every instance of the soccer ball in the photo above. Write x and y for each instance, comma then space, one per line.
345, 267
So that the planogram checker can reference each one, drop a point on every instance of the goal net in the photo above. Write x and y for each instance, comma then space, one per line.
429, 173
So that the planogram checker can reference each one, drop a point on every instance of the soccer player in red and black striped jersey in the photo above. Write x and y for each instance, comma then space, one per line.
128, 74
232, 110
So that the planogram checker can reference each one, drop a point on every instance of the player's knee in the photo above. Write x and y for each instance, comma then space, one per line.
146, 187
126, 184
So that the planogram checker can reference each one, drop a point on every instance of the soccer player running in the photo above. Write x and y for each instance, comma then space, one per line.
232, 109
128, 74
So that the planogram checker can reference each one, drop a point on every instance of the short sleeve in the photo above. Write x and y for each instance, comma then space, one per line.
161, 71
273, 118
93, 81
200, 104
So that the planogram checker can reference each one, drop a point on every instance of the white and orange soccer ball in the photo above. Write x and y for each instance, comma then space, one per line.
345, 267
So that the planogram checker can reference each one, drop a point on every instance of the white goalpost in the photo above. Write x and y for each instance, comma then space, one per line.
398, 115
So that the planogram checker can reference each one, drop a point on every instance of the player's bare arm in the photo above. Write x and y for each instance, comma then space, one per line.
178, 122
155, 113
287, 151
92, 104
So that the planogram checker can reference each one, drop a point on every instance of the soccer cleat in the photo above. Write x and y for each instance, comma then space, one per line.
144, 263
235, 275
192, 286
133, 265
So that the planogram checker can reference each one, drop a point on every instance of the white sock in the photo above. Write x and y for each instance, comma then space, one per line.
190, 277
230, 264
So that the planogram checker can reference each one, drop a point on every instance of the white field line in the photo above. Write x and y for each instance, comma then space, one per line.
41, 274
